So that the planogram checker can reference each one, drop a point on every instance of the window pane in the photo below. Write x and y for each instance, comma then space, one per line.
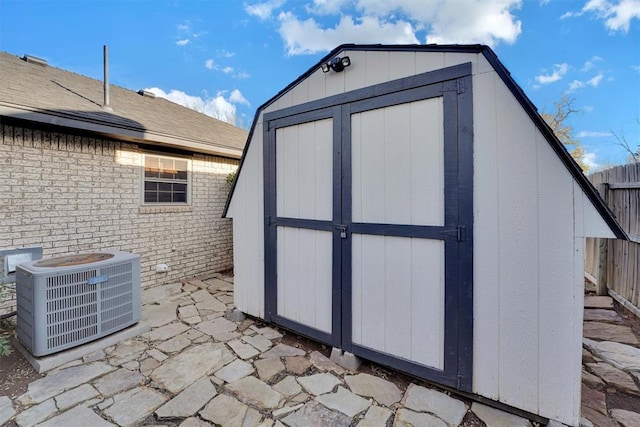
181, 175
150, 186
180, 197
180, 165
180, 187
151, 167
164, 197
165, 186
150, 197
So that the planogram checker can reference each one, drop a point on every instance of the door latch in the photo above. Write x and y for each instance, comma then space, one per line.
343, 231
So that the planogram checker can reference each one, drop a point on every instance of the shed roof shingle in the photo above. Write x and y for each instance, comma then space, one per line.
51, 95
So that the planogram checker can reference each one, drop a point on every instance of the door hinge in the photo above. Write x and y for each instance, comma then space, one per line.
461, 87
459, 233
343, 231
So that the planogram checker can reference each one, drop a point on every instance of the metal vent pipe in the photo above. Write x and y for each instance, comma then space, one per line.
106, 76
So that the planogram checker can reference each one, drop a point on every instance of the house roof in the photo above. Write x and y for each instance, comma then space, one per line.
52, 96
515, 89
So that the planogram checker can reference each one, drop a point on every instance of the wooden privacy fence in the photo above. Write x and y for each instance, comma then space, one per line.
615, 264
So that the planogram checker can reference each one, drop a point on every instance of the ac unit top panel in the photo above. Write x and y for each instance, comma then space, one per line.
78, 262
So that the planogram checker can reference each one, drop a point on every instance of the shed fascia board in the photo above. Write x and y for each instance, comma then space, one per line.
131, 134
531, 110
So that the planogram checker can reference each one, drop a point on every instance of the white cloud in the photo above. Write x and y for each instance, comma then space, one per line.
242, 75
559, 70
237, 97
227, 70
263, 10
183, 42
589, 159
488, 22
326, 7
590, 64
596, 80
308, 37
617, 15
210, 64
636, 68
575, 85
217, 107
223, 53
592, 134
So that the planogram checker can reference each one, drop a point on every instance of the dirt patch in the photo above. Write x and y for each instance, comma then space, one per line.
15, 371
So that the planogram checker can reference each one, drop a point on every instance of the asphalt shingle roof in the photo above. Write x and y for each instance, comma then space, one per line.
44, 93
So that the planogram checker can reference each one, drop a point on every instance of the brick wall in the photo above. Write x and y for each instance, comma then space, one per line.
71, 194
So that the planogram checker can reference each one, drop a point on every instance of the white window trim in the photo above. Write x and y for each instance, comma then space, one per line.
143, 179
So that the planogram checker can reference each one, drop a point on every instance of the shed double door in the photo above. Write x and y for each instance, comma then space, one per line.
368, 223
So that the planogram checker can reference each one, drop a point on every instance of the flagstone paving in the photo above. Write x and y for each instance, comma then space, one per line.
204, 364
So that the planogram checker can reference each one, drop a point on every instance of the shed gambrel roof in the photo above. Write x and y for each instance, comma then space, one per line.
52, 96
513, 87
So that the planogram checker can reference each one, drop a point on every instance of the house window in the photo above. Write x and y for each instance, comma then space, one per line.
166, 180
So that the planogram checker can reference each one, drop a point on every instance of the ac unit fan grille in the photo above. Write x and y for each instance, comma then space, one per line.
72, 308
77, 311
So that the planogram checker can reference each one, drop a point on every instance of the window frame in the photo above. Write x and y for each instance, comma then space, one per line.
144, 179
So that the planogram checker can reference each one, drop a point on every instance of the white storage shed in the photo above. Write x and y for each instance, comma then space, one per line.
409, 205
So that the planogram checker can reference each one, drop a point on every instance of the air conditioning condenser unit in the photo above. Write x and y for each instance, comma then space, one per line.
70, 300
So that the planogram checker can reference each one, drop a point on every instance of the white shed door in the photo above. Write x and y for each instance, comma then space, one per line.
368, 223
398, 280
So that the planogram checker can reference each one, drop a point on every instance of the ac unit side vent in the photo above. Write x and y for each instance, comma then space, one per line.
60, 307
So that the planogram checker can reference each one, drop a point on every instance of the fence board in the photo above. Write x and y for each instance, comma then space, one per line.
616, 263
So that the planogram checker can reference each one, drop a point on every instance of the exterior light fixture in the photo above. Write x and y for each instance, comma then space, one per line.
336, 64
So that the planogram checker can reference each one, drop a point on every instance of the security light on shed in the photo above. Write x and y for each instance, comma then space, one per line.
336, 64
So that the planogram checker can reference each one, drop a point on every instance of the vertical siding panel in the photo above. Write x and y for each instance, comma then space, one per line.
334, 82
307, 280
518, 237
316, 86
396, 139
324, 289
300, 93
401, 64
455, 58
289, 187
355, 74
377, 68
397, 294
304, 276
307, 169
356, 168
371, 181
486, 251
427, 302
429, 61
290, 265
557, 373
372, 298
323, 157
426, 160
357, 292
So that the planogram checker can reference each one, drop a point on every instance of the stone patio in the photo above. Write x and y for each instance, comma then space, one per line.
201, 364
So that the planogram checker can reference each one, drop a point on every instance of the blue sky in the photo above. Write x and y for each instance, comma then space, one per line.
225, 58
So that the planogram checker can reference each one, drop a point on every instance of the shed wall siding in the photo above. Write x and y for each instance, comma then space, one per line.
526, 293
73, 194
530, 219
247, 211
